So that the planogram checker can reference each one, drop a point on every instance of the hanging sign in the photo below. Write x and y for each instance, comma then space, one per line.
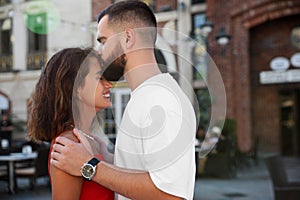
272, 77
41, 17
279, 64
295, 60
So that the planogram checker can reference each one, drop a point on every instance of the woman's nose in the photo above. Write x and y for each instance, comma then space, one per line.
107, 83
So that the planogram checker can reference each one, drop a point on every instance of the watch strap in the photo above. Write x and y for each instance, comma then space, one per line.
93, 161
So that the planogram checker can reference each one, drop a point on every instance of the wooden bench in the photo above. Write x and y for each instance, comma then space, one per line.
284, 189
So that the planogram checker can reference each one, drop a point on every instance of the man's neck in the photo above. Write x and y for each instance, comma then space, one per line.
138, 75
140, 66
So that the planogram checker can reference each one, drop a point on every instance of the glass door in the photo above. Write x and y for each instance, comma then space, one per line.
112, 116
290, 122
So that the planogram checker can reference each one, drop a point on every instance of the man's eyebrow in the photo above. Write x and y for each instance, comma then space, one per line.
100, 72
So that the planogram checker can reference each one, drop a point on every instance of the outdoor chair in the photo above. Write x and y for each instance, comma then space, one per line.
27, 163
39, 168
4, 173
283, 189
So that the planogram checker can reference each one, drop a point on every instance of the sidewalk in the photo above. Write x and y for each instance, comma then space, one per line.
251, 183
41, 192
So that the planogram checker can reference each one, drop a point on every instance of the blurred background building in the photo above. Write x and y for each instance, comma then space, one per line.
255, 45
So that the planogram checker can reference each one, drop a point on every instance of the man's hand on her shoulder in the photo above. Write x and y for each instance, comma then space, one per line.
69, 156
70, 135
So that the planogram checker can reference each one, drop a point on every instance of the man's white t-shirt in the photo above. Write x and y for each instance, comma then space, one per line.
157, 134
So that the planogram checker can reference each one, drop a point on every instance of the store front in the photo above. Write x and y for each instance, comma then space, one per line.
275, 84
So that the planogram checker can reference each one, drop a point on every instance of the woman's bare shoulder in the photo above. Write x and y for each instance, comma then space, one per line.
70, 135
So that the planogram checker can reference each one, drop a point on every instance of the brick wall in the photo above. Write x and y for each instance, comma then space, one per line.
269, 40
98, 6
238, 17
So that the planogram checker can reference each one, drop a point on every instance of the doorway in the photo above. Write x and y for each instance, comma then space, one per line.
290, 122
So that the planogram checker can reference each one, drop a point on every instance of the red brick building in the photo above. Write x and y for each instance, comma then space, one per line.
260, 30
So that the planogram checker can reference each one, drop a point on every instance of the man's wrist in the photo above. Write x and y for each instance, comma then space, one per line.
88, 170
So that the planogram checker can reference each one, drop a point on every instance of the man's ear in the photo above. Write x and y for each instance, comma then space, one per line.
129, 37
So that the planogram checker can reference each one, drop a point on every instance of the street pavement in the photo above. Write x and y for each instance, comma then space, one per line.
251, 183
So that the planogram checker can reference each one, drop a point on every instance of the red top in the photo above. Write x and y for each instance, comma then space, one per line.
91, 189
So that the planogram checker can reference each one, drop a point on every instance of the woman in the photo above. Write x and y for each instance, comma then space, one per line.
68, 94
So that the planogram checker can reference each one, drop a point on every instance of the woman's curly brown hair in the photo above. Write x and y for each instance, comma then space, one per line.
50, 106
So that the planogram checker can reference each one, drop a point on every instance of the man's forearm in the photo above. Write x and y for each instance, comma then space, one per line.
129, 183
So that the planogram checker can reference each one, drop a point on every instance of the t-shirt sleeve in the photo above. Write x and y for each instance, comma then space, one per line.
177, 178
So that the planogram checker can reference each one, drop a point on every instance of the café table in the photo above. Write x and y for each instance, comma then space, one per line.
10, 159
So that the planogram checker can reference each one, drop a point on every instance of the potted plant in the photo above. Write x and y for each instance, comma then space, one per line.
221, 161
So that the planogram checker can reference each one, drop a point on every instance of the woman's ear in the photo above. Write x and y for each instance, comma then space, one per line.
79, 93
129, 37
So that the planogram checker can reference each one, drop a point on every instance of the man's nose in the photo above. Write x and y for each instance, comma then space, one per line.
99, 49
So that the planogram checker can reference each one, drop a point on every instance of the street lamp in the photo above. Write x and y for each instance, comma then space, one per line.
206, 27
222, 37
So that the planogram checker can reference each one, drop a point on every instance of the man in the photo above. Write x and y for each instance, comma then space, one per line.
154, 153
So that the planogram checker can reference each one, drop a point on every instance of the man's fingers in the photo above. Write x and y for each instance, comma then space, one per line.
63, 141
57, 148
76, 133
55, 156
54, 162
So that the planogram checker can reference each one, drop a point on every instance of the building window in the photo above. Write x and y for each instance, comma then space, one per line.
6, 45
204, 102
161, 5
151, 4
111, 117
109, 124
37, 41
161, 61
4, 2
198, 1
199, 51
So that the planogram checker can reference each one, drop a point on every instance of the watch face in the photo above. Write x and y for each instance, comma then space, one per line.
87, 171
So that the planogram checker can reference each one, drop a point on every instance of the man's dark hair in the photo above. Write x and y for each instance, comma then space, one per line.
128, 12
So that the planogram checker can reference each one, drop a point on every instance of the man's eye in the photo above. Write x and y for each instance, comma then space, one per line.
102, 42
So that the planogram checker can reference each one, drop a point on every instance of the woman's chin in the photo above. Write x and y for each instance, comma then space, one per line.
103, 107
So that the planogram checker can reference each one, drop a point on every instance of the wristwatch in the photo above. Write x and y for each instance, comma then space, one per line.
88, 170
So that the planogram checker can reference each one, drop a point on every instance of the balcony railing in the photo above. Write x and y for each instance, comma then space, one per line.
6, 63
36, 60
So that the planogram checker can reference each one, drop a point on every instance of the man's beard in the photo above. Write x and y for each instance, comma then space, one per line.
115, 70
115, 65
